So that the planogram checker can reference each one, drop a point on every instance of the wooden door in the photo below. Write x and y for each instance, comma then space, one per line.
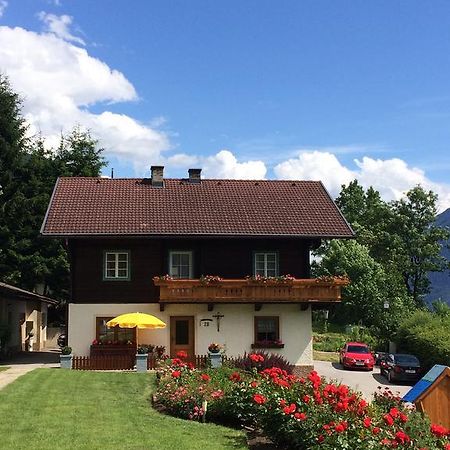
182, 336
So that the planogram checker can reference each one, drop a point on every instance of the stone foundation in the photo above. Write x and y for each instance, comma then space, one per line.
302, 371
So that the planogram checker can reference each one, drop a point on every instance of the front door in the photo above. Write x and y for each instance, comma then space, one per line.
182, 335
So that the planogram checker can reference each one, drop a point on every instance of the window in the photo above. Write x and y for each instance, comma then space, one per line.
117, 265
180, 264
267, 331
266, 264
115, 335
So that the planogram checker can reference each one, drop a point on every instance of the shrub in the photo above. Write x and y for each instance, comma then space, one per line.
66, 350
329, 342
426, 335
263, 361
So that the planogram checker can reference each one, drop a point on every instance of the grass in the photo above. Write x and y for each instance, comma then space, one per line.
2, 368
55, 409
326, 356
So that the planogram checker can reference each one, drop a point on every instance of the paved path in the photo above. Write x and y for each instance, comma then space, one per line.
26, 362
365, 382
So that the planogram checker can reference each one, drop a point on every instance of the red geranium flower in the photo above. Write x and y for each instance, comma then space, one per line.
254, 384
289, 409
402, 437
260, 399
182, 354
376, 430
176, 374
394, 412
403, 417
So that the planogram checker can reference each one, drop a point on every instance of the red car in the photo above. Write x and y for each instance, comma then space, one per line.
356, 355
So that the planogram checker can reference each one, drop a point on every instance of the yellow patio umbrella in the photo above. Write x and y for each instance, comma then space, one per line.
136, 320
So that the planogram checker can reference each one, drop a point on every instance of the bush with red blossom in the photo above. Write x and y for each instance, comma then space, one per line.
299, 413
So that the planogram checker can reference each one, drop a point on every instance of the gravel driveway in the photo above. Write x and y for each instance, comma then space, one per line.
365, 382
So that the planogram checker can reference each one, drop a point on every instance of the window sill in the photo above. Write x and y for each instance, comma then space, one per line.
267, 345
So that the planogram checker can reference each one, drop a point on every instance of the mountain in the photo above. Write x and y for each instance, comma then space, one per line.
440, 281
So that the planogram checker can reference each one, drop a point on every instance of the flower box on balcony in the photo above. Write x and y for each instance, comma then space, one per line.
268, 344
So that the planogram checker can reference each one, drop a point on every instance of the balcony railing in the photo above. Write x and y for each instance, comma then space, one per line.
249, 291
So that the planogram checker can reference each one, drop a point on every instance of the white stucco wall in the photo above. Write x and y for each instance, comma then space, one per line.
236, 327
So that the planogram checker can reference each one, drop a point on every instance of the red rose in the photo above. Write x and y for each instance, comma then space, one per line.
205, 377
438, 430
388, 419
394, 412
176, 374
235, 376
367, 421
402, 437
260, 399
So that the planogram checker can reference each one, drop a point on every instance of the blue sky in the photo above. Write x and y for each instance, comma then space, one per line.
329, 89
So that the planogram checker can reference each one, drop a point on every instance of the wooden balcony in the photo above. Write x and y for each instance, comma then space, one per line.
250, 291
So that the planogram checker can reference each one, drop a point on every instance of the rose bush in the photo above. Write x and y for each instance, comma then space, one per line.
299, 413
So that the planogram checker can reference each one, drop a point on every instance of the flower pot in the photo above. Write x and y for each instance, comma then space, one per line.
216, 360
141, 362
66, 361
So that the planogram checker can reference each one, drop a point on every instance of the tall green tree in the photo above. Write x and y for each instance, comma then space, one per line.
370, 288
418, 241
28, 172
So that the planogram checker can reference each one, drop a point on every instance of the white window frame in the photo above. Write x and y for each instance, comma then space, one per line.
180, 252
116, 276
255, 254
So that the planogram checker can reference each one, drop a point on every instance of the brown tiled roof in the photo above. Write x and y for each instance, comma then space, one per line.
101, 206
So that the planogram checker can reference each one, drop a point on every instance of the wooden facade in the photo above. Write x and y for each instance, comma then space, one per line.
229, 258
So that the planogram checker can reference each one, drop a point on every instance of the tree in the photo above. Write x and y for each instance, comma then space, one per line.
369, 289
28, 172
417, 241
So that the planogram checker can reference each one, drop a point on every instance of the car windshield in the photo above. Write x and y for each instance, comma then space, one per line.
409, 359
357, 349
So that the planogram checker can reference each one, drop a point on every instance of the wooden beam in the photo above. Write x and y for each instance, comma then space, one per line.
258, 306
210, 306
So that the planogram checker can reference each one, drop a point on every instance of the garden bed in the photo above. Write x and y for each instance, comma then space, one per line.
297, 413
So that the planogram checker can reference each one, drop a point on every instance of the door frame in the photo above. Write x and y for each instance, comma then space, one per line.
173, 330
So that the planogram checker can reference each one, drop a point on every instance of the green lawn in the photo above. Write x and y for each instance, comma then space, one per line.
3, 368
57, 409
326, 356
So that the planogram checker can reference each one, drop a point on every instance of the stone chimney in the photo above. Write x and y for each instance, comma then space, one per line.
157, 176
195, 176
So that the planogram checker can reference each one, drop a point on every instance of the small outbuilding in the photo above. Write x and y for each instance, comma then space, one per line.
431, 395
23, 319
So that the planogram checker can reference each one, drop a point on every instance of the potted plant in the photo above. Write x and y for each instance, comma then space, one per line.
66, 357
141, 358
214, 355
214, 347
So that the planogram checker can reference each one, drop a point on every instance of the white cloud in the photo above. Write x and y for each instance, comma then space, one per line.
391, 177
315, 165
60, 26
3, 6
59, 81
225, 165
